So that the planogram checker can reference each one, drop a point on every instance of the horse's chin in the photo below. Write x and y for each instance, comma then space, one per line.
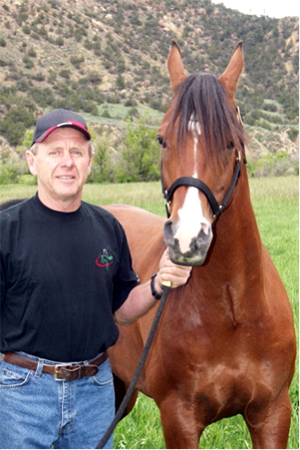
187, 259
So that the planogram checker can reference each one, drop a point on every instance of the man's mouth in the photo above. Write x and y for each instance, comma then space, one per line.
66, 177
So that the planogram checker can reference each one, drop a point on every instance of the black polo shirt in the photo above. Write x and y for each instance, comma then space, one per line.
63, 275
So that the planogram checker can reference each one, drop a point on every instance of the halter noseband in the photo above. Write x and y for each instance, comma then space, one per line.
195, 182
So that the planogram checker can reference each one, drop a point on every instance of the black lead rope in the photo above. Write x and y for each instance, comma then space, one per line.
131, 388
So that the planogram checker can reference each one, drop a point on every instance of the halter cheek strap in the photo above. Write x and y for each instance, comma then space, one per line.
195, 182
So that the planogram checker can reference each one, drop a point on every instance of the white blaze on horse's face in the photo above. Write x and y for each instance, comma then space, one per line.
192, 232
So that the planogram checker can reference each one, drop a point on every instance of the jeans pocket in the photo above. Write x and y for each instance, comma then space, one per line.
104, 375
14, 378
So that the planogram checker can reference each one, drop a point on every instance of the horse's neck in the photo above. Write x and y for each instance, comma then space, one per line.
236, 256
237, 231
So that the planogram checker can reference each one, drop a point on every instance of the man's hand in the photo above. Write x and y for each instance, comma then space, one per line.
173, 273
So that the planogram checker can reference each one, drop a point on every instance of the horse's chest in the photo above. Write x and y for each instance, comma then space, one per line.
220, 377
225, 390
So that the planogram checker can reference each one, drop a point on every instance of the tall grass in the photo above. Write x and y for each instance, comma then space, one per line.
275, 201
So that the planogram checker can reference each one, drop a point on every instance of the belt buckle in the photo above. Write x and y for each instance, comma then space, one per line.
62, 370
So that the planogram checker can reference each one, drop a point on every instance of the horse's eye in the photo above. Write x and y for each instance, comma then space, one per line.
161, 141
230, 146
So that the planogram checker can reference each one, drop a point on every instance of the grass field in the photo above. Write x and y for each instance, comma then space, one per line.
275, 202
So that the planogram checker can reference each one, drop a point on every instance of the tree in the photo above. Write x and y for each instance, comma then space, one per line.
140, 155
15, 123
102, 167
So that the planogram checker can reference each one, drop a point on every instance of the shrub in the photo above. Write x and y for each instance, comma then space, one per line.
38, 76
88, 45
140, 155
29, 64
8, 174
293, 134
76, 61
59, 41
32, 53
15, 123
3, 63
14, 132
103, 166
42, 97
89, 107
276, 164
65, 73
120, 82
11, 170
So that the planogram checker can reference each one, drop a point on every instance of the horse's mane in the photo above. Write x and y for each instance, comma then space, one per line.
203, 98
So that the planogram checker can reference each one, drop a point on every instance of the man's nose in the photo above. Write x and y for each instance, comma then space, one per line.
67, 160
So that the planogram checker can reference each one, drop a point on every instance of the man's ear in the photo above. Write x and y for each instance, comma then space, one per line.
31, 162
90, 162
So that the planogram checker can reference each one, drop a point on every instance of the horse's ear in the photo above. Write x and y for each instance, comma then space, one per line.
229, 78
175, 66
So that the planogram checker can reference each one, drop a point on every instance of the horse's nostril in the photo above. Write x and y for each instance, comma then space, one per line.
202, 241
168, 233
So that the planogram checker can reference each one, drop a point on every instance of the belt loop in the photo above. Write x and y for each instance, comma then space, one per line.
39, 369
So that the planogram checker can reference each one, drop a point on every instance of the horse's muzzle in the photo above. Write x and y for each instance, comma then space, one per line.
198, 246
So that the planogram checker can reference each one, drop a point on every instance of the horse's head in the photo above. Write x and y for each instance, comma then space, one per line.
201, 137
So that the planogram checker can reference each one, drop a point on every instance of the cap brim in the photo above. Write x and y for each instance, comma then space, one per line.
78, 126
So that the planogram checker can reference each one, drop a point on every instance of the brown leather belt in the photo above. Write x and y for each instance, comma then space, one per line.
61, 372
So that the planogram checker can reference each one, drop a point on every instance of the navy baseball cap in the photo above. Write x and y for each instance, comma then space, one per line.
56, 119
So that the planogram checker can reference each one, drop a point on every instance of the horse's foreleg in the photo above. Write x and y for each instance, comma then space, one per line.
270, 428
179, 424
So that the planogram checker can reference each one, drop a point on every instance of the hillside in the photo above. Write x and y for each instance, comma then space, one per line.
91, 55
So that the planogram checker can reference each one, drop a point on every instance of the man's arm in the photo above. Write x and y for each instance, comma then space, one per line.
140, 299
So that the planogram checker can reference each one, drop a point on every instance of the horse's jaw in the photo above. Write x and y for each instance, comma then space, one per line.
196, 252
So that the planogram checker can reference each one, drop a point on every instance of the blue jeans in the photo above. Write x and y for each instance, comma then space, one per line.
36, 411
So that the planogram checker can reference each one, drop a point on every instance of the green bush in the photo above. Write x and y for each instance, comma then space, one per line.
29, 64
276, 164
32, 52
103, 165
3, 63
140, 157
293, 133
59, 41
11, 170
26, 29
8, 174
76, 61
65, 73
14, 125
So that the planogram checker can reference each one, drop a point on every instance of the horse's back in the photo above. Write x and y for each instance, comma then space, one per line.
144, 232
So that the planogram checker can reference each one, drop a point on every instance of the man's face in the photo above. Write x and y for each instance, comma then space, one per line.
62, 164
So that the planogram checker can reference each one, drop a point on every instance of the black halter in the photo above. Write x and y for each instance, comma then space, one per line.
195, 182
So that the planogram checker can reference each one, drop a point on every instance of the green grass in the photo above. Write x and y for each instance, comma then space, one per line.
275, 202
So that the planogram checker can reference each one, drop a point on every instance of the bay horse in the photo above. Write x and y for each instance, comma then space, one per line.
225, 344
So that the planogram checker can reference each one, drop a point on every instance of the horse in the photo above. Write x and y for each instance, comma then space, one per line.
225, 344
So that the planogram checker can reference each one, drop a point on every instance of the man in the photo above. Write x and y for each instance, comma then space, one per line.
66, 278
